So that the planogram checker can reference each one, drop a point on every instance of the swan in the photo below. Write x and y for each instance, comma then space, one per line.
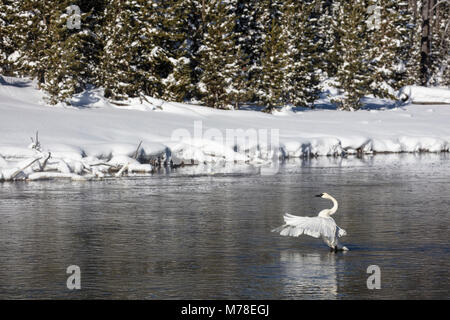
321, 226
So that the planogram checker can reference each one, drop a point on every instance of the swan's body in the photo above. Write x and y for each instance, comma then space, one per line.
321, 226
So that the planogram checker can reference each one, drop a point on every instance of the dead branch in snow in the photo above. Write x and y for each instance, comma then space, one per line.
102, 164
122, 170
136, 153
16, 173
44, 164
36, 144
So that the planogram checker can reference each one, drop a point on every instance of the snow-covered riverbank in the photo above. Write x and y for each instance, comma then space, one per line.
94, 138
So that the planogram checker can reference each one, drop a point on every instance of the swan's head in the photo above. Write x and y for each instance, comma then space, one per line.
322, 195
325, 196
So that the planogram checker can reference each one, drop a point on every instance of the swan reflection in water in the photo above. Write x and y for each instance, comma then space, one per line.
309, 275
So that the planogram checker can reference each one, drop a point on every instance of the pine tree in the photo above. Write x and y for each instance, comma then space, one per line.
72, 52
440, 47
410, 71
220, 63
302, 74
31, 37
60, 58
273, 64
7, 44
250, 34
181, 26
194, 29
388, 46
327, 38
430, 42
270, 79
240, 90
132, 62
353, 74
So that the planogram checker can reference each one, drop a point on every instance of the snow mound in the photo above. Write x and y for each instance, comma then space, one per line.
423, 95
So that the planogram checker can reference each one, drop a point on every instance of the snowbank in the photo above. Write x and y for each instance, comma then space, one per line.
423, 95
99, 139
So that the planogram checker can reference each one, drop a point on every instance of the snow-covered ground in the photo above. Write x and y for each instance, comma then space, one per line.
95, 138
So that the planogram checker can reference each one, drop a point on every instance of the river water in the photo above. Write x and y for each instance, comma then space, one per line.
204, 233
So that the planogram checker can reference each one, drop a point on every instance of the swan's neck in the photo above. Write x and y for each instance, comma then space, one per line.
335, 206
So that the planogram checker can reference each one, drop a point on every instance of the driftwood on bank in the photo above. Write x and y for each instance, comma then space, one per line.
126, 165
19, 171
44, 165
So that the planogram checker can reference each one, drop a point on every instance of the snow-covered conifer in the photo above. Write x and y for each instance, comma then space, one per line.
301, 78
353, 75
132, 62
220, 59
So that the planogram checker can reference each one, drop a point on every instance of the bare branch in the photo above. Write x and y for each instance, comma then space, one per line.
16, 173
135, 156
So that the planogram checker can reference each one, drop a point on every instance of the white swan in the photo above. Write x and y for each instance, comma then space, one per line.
321, 226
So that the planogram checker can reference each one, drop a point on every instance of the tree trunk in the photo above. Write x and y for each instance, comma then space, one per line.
424, 51
425, 56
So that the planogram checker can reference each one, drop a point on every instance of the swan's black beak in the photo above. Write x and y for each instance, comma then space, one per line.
319, 195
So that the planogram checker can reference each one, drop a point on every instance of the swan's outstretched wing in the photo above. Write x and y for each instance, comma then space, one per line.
312, 226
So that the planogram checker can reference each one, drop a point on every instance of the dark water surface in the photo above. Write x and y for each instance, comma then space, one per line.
207, 236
